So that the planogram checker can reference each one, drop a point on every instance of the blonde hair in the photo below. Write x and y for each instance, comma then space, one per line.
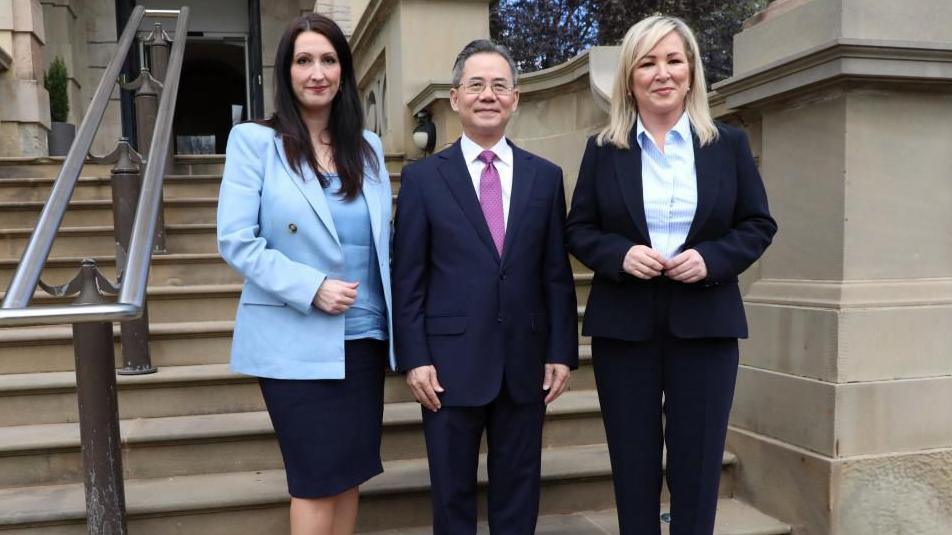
638, 42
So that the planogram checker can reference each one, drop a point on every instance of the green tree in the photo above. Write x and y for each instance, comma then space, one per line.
55, 81
543, 33
714, 23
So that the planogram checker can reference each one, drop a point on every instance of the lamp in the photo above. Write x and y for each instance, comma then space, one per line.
424, 135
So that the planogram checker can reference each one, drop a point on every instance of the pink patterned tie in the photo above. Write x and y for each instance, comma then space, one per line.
490, 199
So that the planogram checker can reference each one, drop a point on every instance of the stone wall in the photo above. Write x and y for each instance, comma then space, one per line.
838, 420
24, 103
415, 43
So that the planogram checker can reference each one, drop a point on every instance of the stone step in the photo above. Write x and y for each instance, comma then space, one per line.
184, 341
99, 241
175, 269
50, 397
98, 212
733, 518
45, 167
574, 478
49, 454
49, 349
198, 164
91, 188
197, 302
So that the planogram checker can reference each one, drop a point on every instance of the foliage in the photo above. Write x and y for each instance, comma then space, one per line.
56, 81
543, 33
714, 22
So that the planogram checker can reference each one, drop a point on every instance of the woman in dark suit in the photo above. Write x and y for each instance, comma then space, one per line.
669, 209
304, 216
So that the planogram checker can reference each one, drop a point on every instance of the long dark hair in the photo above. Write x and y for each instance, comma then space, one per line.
351, 151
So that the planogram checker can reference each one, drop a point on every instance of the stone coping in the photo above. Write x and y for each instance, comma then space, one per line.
598, 64
886, 61
838, 295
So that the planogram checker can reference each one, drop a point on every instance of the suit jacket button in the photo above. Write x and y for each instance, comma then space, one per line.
292, 227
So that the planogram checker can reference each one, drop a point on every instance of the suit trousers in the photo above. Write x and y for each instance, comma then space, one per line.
514, 439
695, 379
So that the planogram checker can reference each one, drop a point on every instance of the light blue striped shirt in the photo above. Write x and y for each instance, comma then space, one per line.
669, 186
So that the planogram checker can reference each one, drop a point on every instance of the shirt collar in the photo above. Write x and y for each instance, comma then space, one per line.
471, 150
682, 129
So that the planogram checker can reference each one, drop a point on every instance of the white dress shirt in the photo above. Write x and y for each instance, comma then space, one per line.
669, 186
503, 163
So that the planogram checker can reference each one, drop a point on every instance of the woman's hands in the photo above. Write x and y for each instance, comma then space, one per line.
686, 267
643, 262
646, 263
335, 296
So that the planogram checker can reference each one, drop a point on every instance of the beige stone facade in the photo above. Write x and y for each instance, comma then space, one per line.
839, 418
840, 423
24, 103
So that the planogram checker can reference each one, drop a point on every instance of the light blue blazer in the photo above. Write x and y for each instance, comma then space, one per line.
275, 228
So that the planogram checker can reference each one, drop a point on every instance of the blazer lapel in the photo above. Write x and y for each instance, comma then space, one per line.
705, 164
312, 190
455, 173
628, 173
523, 177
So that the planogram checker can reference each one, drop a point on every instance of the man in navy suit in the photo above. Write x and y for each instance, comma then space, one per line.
485, 318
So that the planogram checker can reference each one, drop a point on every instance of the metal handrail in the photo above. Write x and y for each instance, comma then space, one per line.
131, 300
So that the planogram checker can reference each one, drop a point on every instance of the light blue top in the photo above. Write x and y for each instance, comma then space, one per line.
366, 318
669, 186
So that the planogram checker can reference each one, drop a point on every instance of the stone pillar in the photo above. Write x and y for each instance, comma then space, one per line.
24, 103
841, 421
342, 11
100, 41
400, 47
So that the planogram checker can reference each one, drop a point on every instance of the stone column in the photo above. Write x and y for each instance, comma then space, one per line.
841, 419
400, 47
24, 103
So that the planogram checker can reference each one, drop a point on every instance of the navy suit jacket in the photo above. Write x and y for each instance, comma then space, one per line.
732, 227
476, 317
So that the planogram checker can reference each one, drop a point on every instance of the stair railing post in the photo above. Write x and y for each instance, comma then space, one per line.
160, 47
98, 411
147, 91
126, 186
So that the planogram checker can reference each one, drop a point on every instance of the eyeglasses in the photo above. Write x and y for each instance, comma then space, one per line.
476, 87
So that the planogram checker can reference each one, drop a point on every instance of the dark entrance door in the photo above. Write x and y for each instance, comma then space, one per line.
213, 94
220, 83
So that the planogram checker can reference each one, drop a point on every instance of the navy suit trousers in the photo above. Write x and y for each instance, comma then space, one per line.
695, 378
514, 438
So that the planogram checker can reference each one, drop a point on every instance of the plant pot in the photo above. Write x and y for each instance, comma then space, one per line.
60, 138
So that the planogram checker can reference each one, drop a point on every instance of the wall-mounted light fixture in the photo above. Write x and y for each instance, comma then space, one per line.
424, 135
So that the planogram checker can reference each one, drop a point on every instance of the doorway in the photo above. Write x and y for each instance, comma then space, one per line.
213, 94
220, 84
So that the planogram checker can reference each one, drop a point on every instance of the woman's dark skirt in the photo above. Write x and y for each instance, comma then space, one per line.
329, 429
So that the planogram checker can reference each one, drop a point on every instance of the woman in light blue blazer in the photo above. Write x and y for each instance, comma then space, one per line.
304, 216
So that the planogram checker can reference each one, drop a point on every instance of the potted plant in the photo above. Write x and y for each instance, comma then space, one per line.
61, 134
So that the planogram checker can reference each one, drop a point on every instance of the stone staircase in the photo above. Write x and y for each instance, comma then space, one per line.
198, 450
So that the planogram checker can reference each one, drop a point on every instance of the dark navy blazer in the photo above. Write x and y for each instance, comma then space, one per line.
459, 306
732, 227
